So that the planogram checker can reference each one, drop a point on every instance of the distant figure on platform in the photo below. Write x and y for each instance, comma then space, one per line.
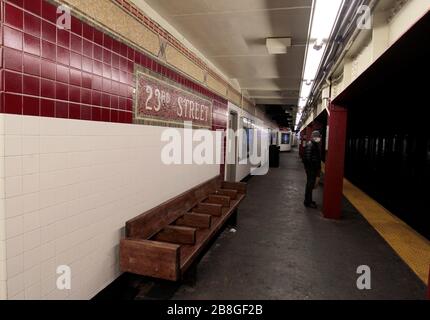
312, 162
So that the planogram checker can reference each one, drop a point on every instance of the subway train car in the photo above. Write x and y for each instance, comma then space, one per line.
285, 139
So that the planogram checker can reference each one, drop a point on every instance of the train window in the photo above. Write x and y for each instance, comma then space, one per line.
285, 139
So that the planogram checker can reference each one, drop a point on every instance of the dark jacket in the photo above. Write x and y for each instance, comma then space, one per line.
312, 156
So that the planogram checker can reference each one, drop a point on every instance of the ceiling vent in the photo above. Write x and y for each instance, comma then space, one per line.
278, 45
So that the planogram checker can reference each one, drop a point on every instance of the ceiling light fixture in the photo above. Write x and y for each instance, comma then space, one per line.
324, 14
278, 45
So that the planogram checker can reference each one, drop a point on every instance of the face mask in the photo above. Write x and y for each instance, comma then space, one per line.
317, 140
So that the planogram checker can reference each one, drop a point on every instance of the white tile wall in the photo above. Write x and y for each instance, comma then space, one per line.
69, 187
3, 257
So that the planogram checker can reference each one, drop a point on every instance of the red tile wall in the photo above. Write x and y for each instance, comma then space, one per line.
81, 73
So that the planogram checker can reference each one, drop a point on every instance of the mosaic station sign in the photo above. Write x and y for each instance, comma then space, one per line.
159, 100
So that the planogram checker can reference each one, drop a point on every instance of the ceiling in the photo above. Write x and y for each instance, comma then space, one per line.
232, 35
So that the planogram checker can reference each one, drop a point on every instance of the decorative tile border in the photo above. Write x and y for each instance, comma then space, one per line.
137, 13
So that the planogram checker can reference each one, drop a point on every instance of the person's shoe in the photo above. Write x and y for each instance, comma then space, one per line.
312, 205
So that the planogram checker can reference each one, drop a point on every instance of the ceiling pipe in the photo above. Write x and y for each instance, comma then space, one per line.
343, 36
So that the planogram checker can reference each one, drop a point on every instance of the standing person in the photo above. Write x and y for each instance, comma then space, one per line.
312, 162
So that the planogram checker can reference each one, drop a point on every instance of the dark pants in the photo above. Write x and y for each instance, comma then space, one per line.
311, 175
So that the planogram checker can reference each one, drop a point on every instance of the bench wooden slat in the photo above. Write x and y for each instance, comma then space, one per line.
177, 234
239, 186
197, 220
227, 192
151, 258
213, 209
219, 199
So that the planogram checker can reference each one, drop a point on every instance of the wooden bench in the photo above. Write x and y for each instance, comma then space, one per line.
164, 241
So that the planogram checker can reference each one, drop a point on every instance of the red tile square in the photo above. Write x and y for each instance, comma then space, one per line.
34, 6
107, 71
128, 117
31, 44
97, 83
87, 64
48, 69
97, 52
62, 73
12, 82
98, 68
12, 103
116, 46
87, 48
114, 116
107, 56
61, 109
12, 38
105, 115
76, 26
62, 91
122, 105
49, 11
129, 105
124, 49
96, 114
130, 53
63, 38
49, 50
87, 80
47, 88
107, 41
63, 56
12, 59
115, 61
47, 108
107, 85
76, 43
115, 88
123, 90
49, 32
13, 16
75, 77
31, 106
31, 85
87, 31
98, 37
75, 60
123, 64
96, 98
130, 78
114, 102
85, 112
106, 100
32, 25
74, 94
31, 65
121, 116
86, 96
123, 77
74, 111
115, 74
137, 57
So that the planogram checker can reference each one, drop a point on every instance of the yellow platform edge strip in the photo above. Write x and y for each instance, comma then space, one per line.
411, 247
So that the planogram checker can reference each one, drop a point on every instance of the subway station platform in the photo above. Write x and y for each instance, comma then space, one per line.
282, 250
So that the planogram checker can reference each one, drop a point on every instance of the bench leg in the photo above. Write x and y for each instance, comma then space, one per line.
232, 220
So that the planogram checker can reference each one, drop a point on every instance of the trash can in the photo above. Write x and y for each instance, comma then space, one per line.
274, 151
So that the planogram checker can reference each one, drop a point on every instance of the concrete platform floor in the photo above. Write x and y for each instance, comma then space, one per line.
282, 250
